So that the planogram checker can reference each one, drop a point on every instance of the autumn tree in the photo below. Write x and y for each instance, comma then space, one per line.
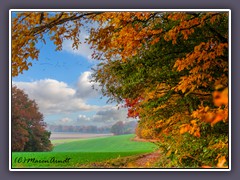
169, 68
28, 128
31, 28
176, 83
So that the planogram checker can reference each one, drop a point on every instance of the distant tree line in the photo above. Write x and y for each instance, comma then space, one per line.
119, 127
79, 129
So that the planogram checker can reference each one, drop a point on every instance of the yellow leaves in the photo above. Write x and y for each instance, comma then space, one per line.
159, 107
126, 36
169, 153
28, 28
219, 145
179, 65
191, 128
205, 51
198, 63
185, 26
221, 162
32, 44
214, 116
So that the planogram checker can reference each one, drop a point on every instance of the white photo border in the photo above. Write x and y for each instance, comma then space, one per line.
117, 10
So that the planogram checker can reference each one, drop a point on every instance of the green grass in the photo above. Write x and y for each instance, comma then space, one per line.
121, 143
82, 152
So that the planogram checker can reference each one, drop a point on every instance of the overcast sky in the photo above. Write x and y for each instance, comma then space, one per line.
60, 84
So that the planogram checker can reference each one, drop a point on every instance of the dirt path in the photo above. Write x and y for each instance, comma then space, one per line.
138, 161
146, 161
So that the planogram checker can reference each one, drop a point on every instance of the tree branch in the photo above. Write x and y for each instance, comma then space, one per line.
59, 21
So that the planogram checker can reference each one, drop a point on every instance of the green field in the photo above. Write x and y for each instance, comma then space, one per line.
74, 153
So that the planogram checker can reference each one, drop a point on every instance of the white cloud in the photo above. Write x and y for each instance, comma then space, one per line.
53, 96
58, 98
110, 115
85, 87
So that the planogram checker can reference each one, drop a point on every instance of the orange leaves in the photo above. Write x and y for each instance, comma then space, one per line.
199, 63
219, 50
183, 84
221, 162
204, 166
185, 27
220, 98
217, 118
155, 41
205, 51
184, 128
142, 15
211, 117
191, 128
177, 16
213, 19
28, 28
156, 31
171, 35
129, 32
214, 116
186, 33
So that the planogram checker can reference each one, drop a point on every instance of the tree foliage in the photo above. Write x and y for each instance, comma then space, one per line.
29, 29
170, 69
28, 127
176, 83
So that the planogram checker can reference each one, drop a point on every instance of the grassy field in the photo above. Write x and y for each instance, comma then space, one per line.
121, 143
75, 153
